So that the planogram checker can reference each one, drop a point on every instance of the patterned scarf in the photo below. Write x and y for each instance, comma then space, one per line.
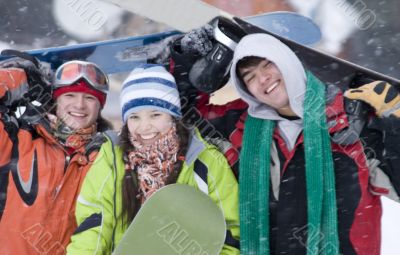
153, 163
74, 139
254, 179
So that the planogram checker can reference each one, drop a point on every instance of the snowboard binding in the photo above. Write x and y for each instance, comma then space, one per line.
211, 72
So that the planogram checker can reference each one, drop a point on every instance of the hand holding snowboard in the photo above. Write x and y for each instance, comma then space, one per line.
379, 94
24, 80
13, 85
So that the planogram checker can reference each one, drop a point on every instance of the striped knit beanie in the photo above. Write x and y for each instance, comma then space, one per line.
150, 86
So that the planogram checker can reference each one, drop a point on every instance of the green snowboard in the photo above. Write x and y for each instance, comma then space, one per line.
177, 219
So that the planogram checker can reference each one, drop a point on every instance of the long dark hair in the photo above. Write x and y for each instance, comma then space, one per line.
130, 188
103, 124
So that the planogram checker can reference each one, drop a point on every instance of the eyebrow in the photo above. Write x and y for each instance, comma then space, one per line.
245, 73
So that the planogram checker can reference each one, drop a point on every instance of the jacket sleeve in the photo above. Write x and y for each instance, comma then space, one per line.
95, 208
8, 131
223, 190
13, 85
381, 146
212, 111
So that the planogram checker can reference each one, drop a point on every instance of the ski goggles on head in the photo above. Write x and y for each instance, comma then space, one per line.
72, 71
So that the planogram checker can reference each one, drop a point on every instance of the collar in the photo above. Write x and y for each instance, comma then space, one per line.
336, 120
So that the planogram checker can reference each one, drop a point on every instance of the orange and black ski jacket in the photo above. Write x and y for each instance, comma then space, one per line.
39, 184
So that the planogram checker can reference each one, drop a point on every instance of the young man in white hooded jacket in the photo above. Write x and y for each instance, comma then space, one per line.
319, 189
320, 198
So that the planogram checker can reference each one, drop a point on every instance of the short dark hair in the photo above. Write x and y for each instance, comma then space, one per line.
247, 62
244, 63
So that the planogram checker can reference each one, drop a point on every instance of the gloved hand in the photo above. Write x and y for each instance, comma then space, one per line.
382, 96
184, 52
201, 62
180, 65
211, 72
198, 41
37, 75
13, 85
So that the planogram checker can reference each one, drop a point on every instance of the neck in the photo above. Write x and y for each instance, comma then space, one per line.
286, 111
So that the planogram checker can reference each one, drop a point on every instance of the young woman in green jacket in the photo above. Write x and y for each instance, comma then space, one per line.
154, 149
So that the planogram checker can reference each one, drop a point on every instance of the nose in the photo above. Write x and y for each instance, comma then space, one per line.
80, 102
143, 126
263, 77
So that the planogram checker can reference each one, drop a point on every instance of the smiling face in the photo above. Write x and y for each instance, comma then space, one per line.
265, 82
78, 110
148, 125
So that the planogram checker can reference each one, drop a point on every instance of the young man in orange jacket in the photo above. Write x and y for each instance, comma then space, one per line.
46, 153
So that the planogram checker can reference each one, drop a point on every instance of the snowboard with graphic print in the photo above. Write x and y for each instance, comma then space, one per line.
189, 14
122, 55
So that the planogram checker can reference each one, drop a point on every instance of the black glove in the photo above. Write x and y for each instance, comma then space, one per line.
37, 99
13, 87
180, 65
39, 75
202, 60
211, 72
198, 41
185, 51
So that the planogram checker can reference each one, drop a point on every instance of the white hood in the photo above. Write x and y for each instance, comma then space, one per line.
266, 46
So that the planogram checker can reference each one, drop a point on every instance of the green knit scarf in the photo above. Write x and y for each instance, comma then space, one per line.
322, 233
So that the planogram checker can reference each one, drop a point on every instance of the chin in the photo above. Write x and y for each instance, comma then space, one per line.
77, 126
283, 104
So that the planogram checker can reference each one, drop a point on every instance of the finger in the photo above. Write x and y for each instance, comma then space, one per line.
356, 93
365, 91
379, 86
391, 95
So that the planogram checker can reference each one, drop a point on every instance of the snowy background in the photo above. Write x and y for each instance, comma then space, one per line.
366, 32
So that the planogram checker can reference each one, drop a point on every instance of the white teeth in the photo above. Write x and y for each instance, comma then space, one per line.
76, 114
149, 136
272, 87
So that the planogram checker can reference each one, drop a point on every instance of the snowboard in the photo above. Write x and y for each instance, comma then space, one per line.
122, 55
177, 219
289, 25
327, 68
